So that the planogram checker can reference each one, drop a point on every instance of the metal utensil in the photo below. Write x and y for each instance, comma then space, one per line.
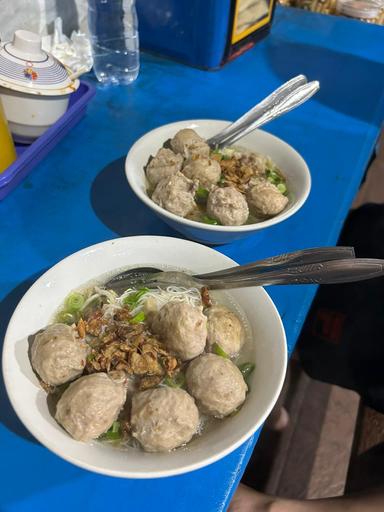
258, 110
149, 276
275, 109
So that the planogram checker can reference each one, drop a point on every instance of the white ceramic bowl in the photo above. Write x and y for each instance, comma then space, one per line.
289, 160
41, 301
28, 115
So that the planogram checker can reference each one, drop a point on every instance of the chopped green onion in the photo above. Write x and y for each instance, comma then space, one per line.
216, 349
221, 181
133, 299
137, 319
64, 317
114, 433
246, 369
74, 302
282, 188
217, 151
91, 357
209, 220
176, 382
201, 195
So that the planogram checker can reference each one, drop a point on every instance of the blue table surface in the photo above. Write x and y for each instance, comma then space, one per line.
78, 196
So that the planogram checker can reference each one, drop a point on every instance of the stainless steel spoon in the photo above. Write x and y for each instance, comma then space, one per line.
149, 276
287, 97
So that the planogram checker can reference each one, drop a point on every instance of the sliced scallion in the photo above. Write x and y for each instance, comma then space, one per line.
64, 317
74, 302
133, 299
209, 220
137, 319
201, 195
246, 369
114, 433
219, 351
175, 382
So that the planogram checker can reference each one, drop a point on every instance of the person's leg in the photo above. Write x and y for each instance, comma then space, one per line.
248, 500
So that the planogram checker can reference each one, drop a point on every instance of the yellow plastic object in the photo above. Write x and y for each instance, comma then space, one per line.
7, 148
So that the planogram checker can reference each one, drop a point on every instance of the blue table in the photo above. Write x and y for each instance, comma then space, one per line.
78, 196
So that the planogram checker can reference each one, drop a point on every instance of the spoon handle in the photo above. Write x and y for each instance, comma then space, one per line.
329, 272
300, 257
258, 110
293, 100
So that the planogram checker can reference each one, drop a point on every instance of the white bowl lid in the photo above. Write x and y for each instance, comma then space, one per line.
25, 67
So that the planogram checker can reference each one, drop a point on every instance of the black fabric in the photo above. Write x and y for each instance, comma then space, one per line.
342, 341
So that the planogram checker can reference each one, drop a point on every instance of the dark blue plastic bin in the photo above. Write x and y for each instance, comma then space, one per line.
28, 156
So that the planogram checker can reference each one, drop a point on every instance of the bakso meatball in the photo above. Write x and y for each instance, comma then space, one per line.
90, 405
205, 170
176, 194
57, 355
216, 384
189, 144
265, 199
163, 418
228, 206
225, 329
183, 328
163, 165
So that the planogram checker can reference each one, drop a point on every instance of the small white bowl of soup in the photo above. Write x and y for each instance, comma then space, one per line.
285, 173
264, 348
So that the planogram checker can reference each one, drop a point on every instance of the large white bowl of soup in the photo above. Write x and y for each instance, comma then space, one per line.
216, 196
143, 383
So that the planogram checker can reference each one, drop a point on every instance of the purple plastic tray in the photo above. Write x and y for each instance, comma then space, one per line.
30, 155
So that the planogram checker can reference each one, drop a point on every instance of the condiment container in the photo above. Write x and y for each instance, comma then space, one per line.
34, 86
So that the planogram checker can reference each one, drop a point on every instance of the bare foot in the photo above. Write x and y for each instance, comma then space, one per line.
249, 500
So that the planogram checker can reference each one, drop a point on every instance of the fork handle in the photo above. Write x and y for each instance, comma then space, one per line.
301, 257
330, 272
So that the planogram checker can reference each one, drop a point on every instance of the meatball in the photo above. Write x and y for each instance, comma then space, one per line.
189, 144
228, 206
216, 384
205, 170
57, 356
225, 329
265, 199
163, 165
183, 328
176, 194
258, 162
163, 418
90, 405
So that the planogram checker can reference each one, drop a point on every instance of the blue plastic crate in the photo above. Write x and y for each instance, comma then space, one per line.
28, 156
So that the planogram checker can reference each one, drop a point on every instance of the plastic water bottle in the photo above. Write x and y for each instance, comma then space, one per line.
115, 40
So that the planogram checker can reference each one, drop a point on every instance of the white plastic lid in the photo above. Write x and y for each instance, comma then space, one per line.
26, 67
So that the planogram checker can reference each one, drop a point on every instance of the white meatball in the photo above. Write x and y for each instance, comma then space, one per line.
265, 199
216, 384
57, 356
90, 405
188, 143
176, 194
225, 329
183, 328
163, 418
228, 206
163, 165
205, 170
